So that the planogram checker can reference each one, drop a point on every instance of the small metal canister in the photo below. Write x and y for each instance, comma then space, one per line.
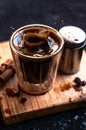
74, 43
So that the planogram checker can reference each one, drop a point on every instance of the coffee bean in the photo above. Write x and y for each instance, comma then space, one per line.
83, 83
23, 100
78, 81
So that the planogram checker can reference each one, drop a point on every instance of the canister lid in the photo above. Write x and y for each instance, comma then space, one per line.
74, 37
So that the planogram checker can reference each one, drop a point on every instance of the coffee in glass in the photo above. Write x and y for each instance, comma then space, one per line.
36, 51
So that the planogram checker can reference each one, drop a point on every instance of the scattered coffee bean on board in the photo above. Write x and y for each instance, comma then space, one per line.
78, 82
23, 100
83, 83
7, 110
12, 92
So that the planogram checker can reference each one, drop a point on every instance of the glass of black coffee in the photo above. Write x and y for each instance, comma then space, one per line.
36, 51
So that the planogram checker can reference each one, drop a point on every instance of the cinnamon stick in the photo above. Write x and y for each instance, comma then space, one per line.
8, 72
5, 65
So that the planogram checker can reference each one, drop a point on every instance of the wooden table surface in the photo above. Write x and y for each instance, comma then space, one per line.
53, 101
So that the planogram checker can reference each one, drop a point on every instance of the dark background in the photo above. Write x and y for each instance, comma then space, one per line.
55, 13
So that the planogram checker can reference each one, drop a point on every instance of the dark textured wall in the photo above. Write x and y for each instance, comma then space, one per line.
56, 13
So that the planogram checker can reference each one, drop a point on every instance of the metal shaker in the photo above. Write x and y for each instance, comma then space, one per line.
74, 43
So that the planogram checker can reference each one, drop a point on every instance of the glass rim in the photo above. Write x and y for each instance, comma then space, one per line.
36, 25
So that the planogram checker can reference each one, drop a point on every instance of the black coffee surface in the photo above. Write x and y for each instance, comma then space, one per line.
36, 42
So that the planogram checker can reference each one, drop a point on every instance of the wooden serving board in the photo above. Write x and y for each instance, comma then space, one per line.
53, 101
